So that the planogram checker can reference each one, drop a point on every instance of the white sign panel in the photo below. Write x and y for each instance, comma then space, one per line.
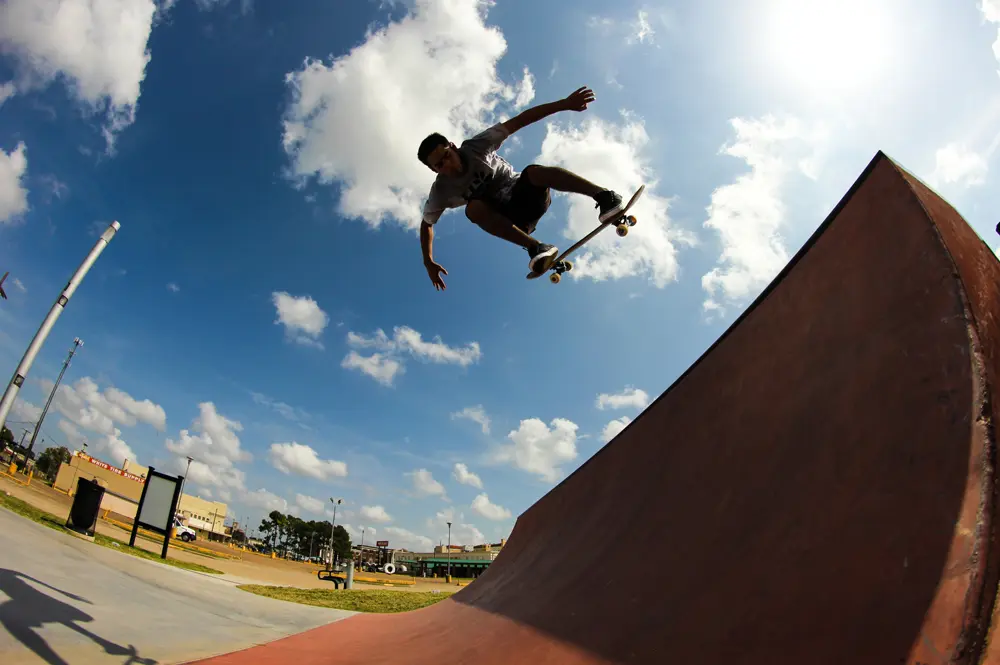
156, 506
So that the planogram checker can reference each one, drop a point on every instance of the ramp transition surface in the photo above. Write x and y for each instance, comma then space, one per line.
818, 488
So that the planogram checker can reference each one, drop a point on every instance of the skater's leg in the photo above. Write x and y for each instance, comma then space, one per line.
497, 224
559, 179
493, 222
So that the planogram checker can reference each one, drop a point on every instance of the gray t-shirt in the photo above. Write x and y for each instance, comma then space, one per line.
487, 176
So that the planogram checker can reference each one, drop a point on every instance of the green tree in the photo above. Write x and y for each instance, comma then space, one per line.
6, 436
51, 458
291, 534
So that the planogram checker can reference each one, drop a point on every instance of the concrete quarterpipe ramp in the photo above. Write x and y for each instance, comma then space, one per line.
818, 488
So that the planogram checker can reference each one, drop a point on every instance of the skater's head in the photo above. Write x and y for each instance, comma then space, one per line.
440, 155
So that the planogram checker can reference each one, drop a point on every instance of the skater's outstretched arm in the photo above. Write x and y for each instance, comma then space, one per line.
577, 101
434, 269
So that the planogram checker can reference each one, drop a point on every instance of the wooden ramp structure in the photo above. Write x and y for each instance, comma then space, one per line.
819, 487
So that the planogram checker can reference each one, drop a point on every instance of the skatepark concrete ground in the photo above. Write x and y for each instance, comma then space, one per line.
65, 600
252, 569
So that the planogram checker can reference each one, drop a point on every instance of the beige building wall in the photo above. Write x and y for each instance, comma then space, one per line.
197, 513
110, 477
202, 514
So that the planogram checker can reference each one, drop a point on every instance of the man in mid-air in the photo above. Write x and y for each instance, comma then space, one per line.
498, 199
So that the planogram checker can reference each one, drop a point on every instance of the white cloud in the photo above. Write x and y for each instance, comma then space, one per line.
539, 450
301, 459
20, 285
109, 447
614, 428
380, 367
462, 532
375, 514
215, 447
97, 48
991, 12
88, 407
265, 500
481, 505
302, 318
476, 414
462, 474
957, 164
7, 90
748, 214
633, 398
173, 287
355, 531
25, 411
400, 538
286, 411
407, 340
13, 195
611, 156
641, 31
425, 485
387, 362
382, 80
309, 504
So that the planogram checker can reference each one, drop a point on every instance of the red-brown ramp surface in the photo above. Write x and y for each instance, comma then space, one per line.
818, 488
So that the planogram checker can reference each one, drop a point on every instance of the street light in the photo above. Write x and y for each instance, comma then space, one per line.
335, 503
449, 551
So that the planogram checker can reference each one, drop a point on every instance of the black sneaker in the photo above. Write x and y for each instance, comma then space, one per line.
542, 257
610, 203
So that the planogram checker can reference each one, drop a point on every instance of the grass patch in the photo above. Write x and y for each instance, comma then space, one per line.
376, 601
25, 509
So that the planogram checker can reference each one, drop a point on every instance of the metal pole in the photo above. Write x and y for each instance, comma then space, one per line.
77, 342
7, 402
332, 525
183, 481
449, 551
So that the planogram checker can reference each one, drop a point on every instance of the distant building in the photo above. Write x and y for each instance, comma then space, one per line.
123, 489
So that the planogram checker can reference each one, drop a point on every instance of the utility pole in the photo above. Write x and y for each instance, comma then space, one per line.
21, 373
77, 343
332, 525
187, 471
449, 551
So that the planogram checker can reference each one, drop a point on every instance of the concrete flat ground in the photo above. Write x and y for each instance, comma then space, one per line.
252, 569
65, 600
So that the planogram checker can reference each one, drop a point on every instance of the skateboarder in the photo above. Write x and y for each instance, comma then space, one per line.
498, 199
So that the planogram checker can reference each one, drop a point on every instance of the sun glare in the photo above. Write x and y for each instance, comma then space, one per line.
827, 48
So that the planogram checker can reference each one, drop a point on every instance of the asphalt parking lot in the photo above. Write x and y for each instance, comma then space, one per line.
65, 600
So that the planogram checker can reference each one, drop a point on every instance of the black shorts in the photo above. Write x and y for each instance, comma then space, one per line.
527, 204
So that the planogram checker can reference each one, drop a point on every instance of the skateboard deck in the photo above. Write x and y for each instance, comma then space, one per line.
622, 222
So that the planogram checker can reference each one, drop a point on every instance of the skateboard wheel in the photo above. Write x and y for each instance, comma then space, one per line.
622, 230
631, 220
554, 278
567, 266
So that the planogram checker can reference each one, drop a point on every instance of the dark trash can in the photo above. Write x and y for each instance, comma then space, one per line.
86, 506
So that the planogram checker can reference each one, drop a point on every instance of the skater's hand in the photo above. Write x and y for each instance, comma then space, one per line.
579, 99
433, 270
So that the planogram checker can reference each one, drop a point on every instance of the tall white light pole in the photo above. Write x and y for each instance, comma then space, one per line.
21, 373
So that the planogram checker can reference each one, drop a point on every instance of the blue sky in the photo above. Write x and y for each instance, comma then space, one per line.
263, 307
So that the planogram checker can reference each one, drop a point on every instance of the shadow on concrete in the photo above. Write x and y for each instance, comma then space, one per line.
27, 609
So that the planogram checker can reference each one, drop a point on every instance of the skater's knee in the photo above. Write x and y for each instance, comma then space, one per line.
474, 210
535, 174
480, 212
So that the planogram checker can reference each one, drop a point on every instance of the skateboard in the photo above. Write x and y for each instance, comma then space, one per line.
621, 222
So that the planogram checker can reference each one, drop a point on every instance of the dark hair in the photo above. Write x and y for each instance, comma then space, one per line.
427, 146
